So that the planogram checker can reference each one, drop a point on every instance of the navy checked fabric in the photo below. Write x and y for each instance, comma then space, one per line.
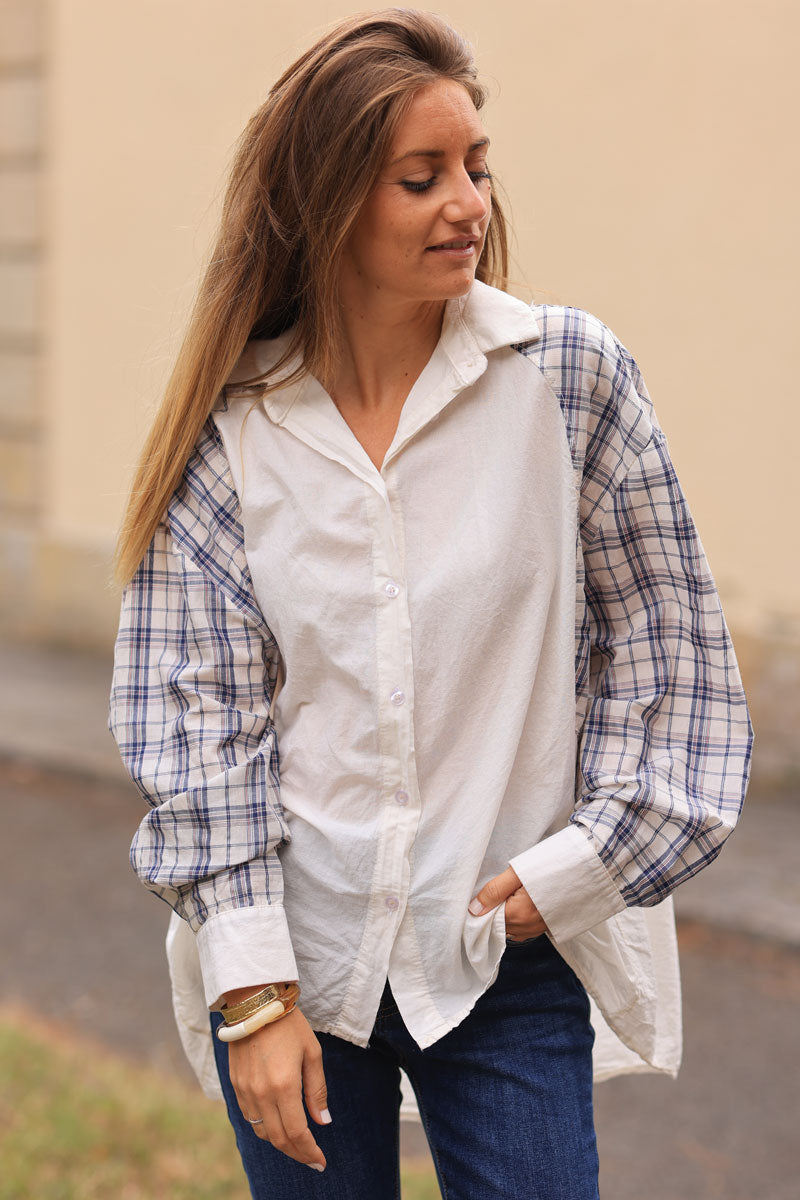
664, 732
194, 669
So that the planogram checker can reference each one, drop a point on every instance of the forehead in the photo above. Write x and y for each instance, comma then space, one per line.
440, 115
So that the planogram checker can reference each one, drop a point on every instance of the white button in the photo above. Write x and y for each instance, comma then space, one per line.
391, 589
401, 797
398, 696
392, 902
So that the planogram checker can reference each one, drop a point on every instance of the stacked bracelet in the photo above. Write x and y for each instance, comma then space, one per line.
271, 1008
233, 1013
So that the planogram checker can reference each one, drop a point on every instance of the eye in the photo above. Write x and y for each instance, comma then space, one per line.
423, 185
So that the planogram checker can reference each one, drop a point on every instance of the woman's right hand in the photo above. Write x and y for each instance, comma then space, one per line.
270, 1071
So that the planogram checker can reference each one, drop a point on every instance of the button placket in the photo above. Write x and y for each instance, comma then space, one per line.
394, 702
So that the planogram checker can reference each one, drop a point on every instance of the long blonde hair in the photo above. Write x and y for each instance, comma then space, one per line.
288, 210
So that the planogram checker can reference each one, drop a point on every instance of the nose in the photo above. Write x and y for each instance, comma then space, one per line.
464, 201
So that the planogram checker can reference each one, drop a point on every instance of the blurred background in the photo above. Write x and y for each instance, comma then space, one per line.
648, 153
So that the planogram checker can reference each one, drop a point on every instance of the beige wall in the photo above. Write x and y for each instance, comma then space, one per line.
646, 150
21, 417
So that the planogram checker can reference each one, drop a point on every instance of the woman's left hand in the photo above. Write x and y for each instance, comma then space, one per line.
523, 919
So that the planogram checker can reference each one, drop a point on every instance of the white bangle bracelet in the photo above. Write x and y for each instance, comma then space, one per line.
270, 1012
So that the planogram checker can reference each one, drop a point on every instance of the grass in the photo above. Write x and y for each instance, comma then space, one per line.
79, 1123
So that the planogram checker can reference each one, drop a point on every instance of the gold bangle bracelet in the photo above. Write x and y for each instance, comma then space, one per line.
254, 1004
273, 1011
245, 1008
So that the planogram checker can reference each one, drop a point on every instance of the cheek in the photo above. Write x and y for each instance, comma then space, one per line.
402, 239
388, 237
393, 228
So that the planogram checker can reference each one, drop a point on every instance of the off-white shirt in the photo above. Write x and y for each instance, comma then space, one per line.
445, 709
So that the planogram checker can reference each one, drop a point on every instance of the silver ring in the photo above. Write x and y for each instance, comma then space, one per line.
258, 1121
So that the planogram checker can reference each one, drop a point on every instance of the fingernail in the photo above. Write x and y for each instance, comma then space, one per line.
326, 1116
316, 1166
476, 908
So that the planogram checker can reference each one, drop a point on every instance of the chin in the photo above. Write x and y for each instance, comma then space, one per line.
459, 285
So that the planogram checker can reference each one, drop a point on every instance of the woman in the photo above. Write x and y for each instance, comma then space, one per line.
428, 542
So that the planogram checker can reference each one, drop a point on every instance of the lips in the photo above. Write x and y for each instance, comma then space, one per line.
456, 245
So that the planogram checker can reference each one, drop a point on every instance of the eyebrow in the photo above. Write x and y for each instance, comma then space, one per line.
436, 153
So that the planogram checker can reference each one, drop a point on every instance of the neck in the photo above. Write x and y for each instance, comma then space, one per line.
387, 344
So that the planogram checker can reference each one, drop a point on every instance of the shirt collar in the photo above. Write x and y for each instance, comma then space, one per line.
483, 320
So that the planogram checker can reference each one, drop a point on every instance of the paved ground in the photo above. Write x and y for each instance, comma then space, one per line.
53, 708
82, 942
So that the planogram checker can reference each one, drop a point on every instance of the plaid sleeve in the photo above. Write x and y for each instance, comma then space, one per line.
665, 736
194, 668
665, 747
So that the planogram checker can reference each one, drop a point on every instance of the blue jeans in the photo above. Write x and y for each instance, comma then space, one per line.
505, 1097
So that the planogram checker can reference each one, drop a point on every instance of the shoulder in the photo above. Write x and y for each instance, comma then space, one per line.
277, 357
205, 494
607, 409
204, 521
587, 365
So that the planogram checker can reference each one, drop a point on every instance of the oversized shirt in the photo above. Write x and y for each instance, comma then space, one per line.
353, 695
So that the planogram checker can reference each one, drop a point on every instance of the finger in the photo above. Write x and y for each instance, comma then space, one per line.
273, 1127
520, 907
252, 1110
494, 892
274, 1132
521, 928
299, 1141
314, 1086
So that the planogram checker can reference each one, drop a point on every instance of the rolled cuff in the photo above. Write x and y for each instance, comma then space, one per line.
567, 881
245, 947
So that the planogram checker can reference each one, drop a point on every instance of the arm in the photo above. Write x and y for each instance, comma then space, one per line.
664, 753
194, 669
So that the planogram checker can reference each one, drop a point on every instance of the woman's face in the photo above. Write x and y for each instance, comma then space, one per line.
421, 231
